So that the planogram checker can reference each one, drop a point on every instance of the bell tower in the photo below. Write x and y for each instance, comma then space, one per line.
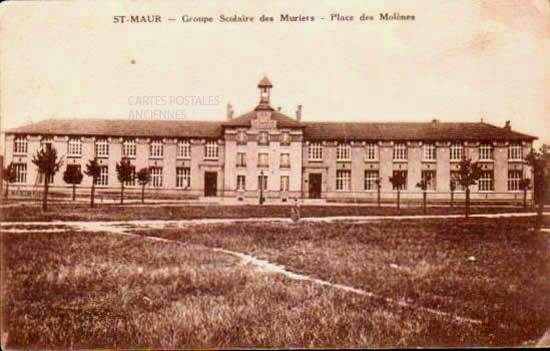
265, 91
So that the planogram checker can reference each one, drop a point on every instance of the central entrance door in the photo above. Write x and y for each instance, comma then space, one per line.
210, 183
315, 180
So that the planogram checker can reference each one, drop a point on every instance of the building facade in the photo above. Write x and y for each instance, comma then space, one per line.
265, 151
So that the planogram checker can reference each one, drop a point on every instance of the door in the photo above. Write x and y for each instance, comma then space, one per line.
315, 180
210, 183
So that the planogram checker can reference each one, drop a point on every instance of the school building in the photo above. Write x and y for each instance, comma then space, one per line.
280, 156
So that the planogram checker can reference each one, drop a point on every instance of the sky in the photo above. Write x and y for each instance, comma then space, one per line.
457, 61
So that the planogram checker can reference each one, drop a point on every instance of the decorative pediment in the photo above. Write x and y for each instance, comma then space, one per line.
263, 121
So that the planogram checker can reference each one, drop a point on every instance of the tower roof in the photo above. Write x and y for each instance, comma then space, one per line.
265, 83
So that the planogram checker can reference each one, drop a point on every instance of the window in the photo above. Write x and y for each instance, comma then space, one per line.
262, 182
20, 173
103, 178
343, 179
46, 140
132, 182
455, 176
183, 149
457, 150
371, 180
183, 177
156, 177
429, 152
129, 147
211, 151
101, 147
486, 152
285, 138
404, 185
400, 151
241, 182
263, 160
241, 137
263, 138
343, 152
486, 182
284, 183
241, 159
20, 144
285, 160
429, 177
74, 148
315, 152
514, 178
156, 148
515, 152
372, 151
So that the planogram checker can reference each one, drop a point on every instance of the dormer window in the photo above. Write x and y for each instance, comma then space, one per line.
486, 152
263, 138
285, 138
20, 144
156, 148
102, 147
241, 137
184, 149
211, 149
74, 147
343, 152
129, 147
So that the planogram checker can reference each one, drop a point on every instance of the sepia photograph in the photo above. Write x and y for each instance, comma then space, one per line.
356, 174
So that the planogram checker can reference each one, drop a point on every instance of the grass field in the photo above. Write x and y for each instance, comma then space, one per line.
67, 211
92, 290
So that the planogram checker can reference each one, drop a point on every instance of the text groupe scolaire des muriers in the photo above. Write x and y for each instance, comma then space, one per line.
334, 17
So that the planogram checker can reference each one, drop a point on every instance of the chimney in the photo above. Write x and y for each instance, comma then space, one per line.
299, 113
435, 122
229, 112
507, 126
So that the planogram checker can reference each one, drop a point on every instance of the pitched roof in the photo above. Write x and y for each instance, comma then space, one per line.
265, 83
314, 131
283, 121
409, 131
138, 128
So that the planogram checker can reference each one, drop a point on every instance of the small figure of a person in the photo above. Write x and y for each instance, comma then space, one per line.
295, 211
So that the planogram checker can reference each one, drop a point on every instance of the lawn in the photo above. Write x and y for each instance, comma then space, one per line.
102, 290
67, 211
493, 270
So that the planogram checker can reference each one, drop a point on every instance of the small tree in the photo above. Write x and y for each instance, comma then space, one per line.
524, 185
144, 177
540, 162
397, 181
93, 170
423, 184
378, 186
453, 188
468, 174
73, 175
48, 165
125, 173
9, 176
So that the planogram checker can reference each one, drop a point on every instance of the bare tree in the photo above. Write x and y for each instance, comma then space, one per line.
73, 175
540, 162
524, 185
424, 186
93, 170
9, 175
48, 165
468, 174
125, 173
398, 180
144, 177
